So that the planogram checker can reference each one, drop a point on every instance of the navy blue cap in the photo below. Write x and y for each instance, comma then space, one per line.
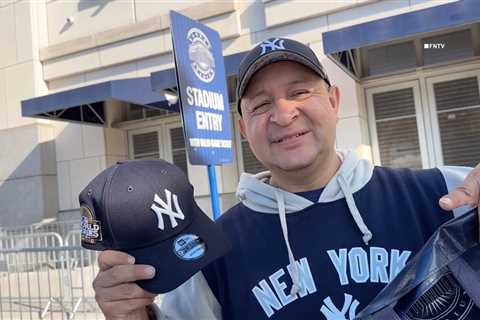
274, 50
146, 208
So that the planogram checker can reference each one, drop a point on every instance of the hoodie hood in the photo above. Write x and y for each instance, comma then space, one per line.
257, 194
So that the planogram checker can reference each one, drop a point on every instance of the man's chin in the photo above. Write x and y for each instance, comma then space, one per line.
294, 165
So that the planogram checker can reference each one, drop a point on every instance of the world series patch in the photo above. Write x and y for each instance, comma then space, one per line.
91, 231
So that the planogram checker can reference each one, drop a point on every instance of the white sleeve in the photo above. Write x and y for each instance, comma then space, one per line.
191, 301
454, 176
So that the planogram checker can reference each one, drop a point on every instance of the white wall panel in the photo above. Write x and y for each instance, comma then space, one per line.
90, 17
20, 85
8, 52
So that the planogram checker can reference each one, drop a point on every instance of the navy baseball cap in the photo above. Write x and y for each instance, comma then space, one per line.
274, 50
146, 208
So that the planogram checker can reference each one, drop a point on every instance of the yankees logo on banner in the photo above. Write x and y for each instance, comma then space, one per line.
166, 209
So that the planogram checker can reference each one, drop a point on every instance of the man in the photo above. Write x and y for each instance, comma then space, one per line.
316, 237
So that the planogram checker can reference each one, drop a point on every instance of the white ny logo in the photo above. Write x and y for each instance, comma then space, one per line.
275, 44
331, 312
167, 209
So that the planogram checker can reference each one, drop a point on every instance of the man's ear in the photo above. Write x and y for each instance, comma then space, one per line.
334, 97
241, 124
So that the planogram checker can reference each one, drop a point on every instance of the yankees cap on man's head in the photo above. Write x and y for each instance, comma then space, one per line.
146, 208
274, 50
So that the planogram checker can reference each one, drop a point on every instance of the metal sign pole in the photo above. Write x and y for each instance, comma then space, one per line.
212, 179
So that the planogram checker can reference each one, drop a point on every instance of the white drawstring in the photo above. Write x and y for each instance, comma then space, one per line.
367, 234
283, 222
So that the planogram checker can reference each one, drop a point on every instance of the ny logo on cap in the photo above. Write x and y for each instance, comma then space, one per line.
272, 45
167, 209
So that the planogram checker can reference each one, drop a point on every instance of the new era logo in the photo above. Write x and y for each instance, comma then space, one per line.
272, 45
166, 209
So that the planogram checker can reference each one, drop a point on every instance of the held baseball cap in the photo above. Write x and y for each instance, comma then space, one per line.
146, 209
274, 50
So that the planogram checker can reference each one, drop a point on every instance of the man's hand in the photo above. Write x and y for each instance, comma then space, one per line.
116, 292
468, 193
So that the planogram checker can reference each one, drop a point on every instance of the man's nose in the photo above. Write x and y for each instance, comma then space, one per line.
284, 112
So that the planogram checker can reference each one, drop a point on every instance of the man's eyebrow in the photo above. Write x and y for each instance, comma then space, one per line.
300, 81
257, 93
292, 82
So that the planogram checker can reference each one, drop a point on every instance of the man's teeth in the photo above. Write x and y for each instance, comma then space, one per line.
295, 136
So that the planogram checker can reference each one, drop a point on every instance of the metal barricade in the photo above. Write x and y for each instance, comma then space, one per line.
57, 288
46, 274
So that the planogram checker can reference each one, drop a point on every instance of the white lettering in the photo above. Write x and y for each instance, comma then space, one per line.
272, 302
217, 143
340, 263
378, 265
266, 298
205, 99
208, 121
357, 259
189, 96
306, 278
398, 261
280, 287
363, 267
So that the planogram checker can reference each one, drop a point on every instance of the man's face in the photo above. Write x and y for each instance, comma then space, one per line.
289, 116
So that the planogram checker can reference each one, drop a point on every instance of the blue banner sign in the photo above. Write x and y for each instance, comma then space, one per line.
202, 91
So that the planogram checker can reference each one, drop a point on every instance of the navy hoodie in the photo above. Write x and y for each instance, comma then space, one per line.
297, 259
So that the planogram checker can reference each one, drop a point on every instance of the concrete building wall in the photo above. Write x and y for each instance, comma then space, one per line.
28, 181
50, 46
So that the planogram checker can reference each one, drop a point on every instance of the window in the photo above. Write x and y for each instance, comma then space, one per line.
165, 141
441, 127
458, 112
396, 128
136, 112
179, 152
456, 45
391, 58
416, 52
145, 145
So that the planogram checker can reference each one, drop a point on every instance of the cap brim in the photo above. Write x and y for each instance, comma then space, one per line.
171, 270
276, 56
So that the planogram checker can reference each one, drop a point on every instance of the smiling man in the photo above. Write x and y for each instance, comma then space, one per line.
319, 234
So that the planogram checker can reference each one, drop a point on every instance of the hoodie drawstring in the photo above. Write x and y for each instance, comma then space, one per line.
367, 234
283, 222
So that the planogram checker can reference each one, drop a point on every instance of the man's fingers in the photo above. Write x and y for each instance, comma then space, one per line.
110, 258
455, 199
466, 194
124, 291
121, 274
125, 307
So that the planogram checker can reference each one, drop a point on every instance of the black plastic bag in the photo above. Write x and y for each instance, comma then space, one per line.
441, 282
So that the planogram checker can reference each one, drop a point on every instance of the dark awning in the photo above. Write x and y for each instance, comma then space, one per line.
404, 25
86, 104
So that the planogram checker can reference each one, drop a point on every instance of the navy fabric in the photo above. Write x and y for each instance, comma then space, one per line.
313, 195
341, 274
